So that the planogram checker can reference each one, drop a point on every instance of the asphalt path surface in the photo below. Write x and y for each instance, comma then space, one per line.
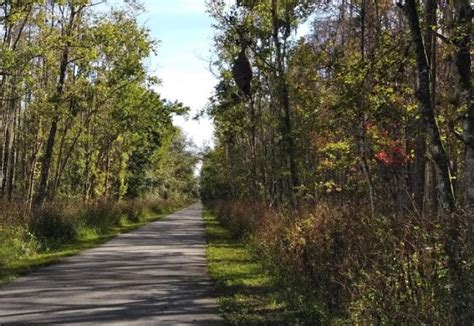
155, 275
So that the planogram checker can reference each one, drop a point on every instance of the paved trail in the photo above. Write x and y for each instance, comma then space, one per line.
155, 275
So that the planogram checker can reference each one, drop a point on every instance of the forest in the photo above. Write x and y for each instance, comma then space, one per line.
342, 165
86, 142
347, 156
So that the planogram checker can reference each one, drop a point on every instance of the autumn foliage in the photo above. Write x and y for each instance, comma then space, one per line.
340, 264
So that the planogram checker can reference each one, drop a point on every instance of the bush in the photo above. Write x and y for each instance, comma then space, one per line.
340, 262
242, 218
15, 239
16, 242
14, 214
136, 210
23, 234
55, 223
101, 215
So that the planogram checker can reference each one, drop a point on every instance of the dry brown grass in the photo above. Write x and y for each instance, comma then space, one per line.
369, 270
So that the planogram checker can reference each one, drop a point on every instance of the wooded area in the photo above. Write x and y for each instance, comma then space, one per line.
79, 116
348, 154
85, 139
344, 159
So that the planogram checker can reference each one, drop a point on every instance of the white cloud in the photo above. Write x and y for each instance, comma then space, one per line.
185, 33
193, 88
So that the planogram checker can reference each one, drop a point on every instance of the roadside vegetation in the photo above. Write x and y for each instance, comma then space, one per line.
333, 264
347, 155
88, 148
62, 230
247, 293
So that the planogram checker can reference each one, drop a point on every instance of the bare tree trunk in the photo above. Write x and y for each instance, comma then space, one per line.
3, 130
7, 152
63, 163
427, 185
427, 106
54, 183
31, 178
431, 202
420, 167
5, 115
10, 182
10, 151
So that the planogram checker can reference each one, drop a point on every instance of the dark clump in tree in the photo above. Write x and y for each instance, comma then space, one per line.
352, 162
242, 73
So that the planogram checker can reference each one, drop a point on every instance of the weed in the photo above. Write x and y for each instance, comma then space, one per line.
340, 264
61, 229
248, 294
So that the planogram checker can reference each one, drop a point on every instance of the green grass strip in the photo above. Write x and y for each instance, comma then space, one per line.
247, 293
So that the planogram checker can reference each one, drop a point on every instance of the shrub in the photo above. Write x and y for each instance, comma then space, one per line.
340, 262
16, 242
55, 223
101, 215
136, 210
23, 233
14, 214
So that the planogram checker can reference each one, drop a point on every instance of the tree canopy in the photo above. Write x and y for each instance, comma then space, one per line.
79, 113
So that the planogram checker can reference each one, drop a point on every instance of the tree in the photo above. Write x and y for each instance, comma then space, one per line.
78, 114
427, 109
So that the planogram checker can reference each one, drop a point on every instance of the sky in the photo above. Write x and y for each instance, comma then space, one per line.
184, 31
182, 64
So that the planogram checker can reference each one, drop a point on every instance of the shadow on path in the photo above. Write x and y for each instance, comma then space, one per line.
154, 275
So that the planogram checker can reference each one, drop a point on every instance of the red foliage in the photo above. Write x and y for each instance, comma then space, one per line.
393, 156
393, 153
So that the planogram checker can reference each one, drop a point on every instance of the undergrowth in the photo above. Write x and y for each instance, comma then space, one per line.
337, 264
247, 293
30, 241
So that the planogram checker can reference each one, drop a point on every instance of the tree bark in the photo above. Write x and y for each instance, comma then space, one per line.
422, 185
427, 108
463, 65
12, 164
49, 148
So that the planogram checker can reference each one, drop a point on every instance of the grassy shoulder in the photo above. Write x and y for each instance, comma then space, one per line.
86, 238
247, 293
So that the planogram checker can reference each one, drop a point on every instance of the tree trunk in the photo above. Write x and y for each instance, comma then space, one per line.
3, 130
420, 167
427, 106
63, 163
105, 194
463, 65
7, 149
12, 164
49, 148
426, 182
284, 101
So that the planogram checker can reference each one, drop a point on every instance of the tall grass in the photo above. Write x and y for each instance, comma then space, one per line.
24, 234
340, 264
